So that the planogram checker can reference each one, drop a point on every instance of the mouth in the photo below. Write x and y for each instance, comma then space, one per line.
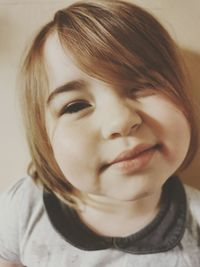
134, 160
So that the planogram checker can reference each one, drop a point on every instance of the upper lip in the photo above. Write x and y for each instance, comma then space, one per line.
132, 153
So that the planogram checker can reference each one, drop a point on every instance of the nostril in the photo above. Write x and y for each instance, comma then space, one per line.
114, 135
117, 124
126, 131
136, 126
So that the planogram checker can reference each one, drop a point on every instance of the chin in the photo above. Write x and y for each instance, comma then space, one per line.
133, 196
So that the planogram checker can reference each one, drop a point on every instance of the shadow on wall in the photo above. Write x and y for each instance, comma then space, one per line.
191, 175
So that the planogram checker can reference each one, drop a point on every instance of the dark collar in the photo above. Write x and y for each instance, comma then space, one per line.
162, 234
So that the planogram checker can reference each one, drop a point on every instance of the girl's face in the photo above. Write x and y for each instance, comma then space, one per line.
91, 123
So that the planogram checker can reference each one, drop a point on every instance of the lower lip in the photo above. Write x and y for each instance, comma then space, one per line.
136, 164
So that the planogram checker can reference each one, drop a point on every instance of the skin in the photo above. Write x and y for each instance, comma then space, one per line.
112, 121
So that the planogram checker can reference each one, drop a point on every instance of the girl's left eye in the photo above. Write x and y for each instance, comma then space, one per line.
74, 107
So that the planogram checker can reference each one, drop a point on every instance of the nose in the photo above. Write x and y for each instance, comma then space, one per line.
121, 120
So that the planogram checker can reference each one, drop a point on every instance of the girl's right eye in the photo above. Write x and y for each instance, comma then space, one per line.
74, 107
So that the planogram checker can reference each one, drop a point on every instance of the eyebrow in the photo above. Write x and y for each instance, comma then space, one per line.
69, 86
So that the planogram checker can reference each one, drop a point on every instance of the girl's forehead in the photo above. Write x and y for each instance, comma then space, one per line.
60, 65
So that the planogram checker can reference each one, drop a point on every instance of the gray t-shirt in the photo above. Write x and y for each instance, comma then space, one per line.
27, 236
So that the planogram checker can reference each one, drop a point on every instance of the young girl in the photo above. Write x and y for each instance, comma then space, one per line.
110, 123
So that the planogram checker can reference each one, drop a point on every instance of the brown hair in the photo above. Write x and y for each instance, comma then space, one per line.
129, 44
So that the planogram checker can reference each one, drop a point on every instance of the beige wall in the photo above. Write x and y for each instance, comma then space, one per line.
19, 19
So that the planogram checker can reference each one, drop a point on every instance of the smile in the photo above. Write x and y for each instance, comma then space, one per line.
135, 163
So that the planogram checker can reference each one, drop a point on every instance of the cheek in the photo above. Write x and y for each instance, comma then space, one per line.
68, 146
74, 152
170, 126
75, 155
180, 135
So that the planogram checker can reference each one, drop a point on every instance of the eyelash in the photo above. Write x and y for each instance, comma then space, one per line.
74, 107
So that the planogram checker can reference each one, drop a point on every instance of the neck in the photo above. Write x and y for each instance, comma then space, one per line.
111, 217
